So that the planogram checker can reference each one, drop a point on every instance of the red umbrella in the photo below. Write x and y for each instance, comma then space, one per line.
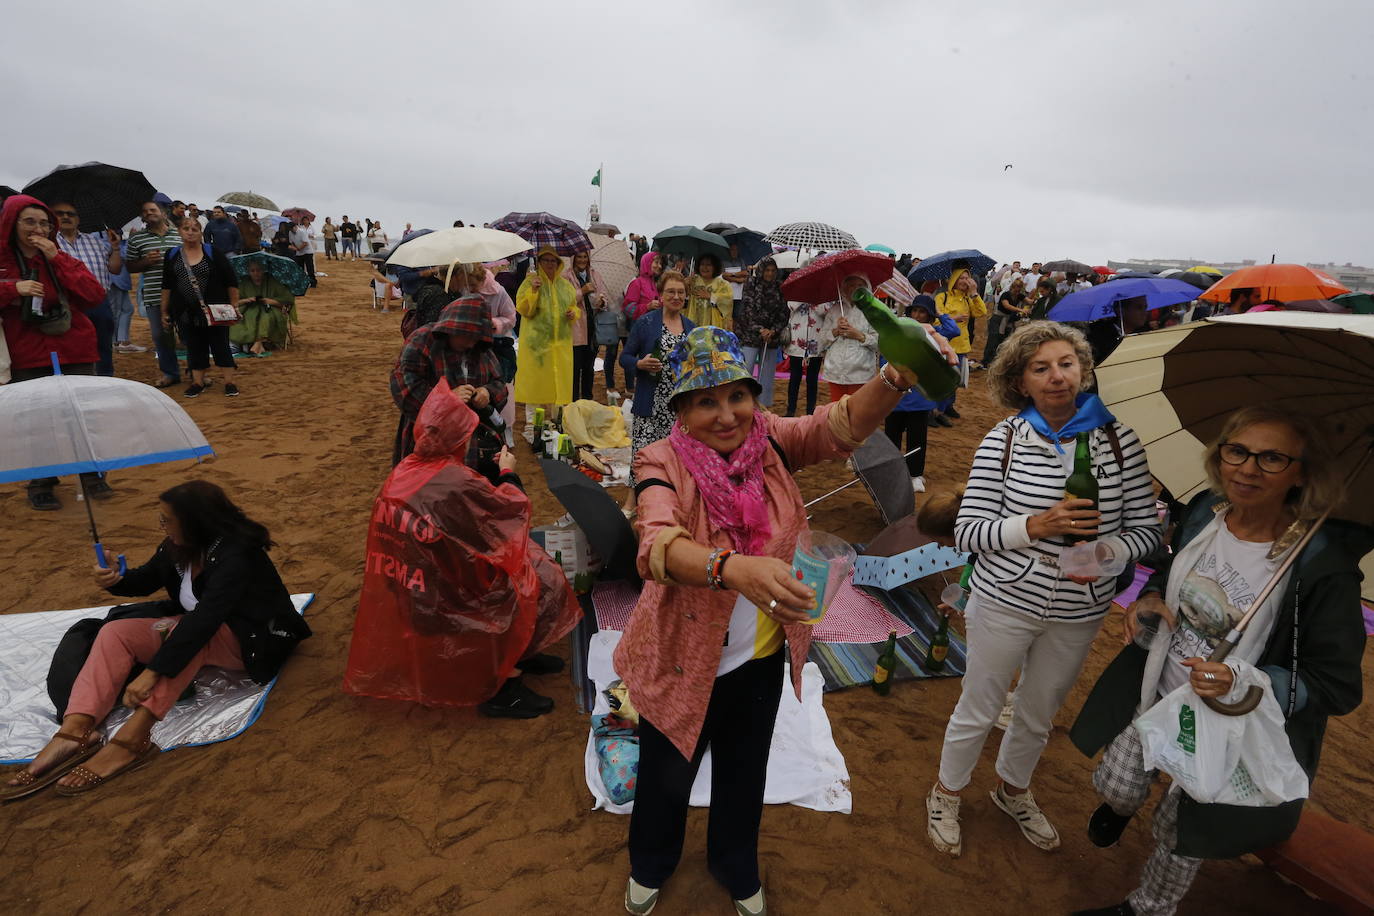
1284, 282
296, 214
820, 280
1103, 271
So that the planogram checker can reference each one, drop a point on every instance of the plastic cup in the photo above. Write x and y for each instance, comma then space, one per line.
822, 562
955, 596
1093, 559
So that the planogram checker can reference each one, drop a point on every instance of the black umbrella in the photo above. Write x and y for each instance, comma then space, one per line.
7, 191
1068, 266
1201, 281
719, 228
106, 196
597, 514
752, 247
884, 473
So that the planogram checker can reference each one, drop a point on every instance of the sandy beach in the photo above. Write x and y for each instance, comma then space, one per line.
337, 804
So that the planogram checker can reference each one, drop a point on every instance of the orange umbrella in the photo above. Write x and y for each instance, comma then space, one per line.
1284, 282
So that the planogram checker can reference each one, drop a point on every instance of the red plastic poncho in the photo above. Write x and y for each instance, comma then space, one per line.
455, 592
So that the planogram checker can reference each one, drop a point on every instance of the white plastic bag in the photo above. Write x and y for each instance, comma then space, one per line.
1232, 760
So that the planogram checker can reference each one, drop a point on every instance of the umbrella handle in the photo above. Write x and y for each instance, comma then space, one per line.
1252, 696
104, 564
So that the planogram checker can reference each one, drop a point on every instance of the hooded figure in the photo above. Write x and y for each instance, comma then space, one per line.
456, 349
455, 593
53, 322
960, 305
642, 292
545, 356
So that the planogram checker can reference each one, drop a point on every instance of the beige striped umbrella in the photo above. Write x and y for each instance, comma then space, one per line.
1177, 386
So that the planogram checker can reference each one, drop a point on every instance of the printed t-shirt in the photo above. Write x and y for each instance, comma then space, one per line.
1215, 594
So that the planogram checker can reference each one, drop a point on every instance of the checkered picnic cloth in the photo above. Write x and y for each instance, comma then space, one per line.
852, 616
541, 229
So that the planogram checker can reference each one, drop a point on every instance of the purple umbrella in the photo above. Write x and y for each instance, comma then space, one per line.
296, 214
545, 229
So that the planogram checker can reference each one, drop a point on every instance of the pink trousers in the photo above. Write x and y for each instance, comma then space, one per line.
121, 643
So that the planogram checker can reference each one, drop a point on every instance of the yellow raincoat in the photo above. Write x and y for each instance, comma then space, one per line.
544, 359
959, 306
715, 307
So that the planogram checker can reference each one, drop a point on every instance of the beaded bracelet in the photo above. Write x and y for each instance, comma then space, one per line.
714, 564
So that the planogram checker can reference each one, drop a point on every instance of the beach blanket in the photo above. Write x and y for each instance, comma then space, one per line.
805, 768
225, 703
851, 664
853, 615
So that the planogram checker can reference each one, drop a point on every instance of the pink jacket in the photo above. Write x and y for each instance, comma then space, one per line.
671, 649
580, 328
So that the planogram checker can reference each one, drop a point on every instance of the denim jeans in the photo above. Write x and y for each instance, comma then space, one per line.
122, 306
104, 322
164, 341
766, 369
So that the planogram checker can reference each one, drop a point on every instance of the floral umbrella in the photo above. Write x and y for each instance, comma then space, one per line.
284, 270
820, 280
296, 214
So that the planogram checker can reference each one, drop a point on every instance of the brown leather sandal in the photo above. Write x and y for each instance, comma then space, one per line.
31, 784
143, 755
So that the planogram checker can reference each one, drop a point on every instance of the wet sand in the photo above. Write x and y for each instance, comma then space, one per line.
337, 804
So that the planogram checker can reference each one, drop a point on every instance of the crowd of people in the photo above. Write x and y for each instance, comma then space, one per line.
718, 515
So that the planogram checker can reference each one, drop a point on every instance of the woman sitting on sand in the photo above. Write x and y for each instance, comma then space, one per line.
719, 518
267, 307
226, 606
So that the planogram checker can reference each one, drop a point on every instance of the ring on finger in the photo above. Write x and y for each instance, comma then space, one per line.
1073, 524
772, 605
1209, 675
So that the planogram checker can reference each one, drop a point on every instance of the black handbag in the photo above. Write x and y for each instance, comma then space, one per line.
75, 647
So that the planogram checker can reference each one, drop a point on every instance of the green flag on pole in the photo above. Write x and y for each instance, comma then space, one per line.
596, 179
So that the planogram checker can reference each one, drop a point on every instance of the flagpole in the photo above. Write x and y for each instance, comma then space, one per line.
601, 191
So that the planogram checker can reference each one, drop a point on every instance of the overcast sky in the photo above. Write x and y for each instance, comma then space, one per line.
1220, 130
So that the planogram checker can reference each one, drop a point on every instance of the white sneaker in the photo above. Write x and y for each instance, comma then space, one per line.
752, 906
128, 347
918, 485
942, 821
1028, 816
639, 899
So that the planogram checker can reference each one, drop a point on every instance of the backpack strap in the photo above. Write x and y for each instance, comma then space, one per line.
1006, 450
1115, 441
787, 465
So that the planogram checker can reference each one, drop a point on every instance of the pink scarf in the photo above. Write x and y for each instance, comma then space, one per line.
733, 490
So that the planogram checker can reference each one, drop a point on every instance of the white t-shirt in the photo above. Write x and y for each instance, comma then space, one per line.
186, 596
1216, 593
299, 237
752, 634
730, 267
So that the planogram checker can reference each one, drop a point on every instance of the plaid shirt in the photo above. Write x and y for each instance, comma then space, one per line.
93, 250
426, 358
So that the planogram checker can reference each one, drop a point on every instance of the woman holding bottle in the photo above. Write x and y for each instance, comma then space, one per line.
646, 354
1023, 611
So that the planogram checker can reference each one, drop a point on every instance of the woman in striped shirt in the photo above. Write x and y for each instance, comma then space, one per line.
1023, 611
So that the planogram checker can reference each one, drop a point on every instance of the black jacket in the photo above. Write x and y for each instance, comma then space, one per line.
238, 586
222, 277
1320, 617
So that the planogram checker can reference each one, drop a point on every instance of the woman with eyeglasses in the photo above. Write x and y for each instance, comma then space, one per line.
1271, 475
225, 606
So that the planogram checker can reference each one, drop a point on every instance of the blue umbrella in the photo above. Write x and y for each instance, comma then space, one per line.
940, 266
1101, 301
752, 247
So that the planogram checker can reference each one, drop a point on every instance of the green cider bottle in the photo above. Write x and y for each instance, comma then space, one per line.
886, 664
1082, 484
904, 342
939, 647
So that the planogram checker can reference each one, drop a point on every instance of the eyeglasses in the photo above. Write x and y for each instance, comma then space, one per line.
163, 521
37, 223
1270, 462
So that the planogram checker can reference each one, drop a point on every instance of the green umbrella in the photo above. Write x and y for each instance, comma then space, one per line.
1359, 303
286, 271
880, 248
248, 199
691, 242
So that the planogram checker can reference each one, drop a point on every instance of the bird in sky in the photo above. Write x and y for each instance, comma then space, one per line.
1007, 166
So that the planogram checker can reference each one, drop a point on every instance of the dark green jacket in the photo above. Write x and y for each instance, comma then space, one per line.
1320, 616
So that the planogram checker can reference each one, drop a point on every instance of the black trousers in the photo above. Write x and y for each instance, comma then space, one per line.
584, 372
913, 424
202, 342
307, 263
813, 376
739, 729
